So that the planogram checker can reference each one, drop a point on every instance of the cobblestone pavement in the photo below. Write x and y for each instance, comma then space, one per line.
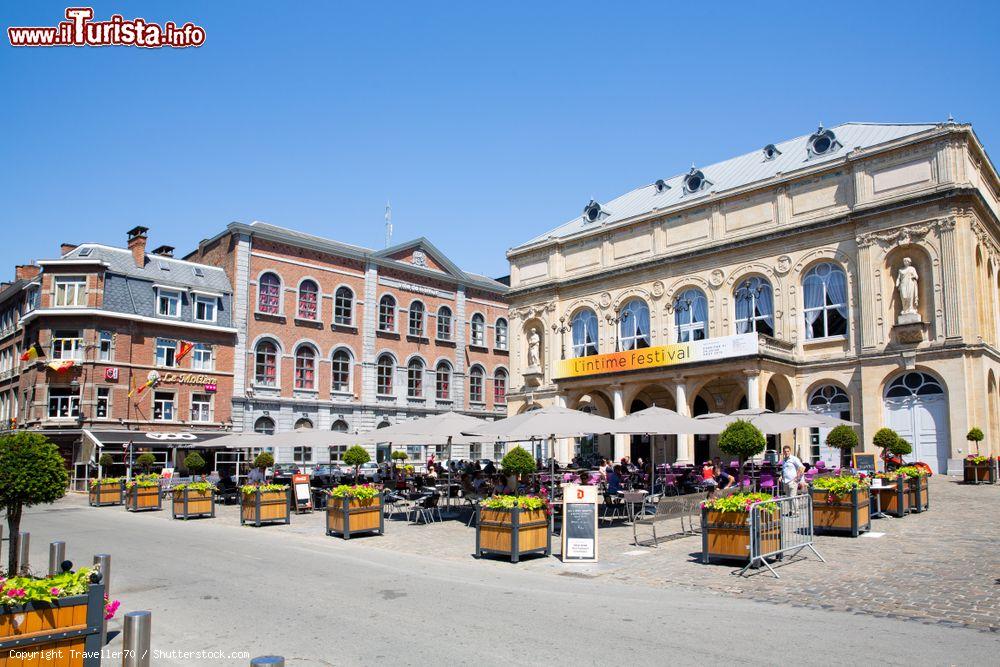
941, 566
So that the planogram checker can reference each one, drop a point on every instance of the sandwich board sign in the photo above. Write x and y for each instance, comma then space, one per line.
579, 524
303, 494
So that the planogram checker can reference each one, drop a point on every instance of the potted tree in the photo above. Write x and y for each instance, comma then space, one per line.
143, 492
513, 525
915, 477
106, 491
265, 503
841, 504
845, 439
977, 468
354, 509
742, 440
192, 500
727, 531
194, 463
356, 457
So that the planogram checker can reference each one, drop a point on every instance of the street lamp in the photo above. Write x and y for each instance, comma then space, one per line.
750, 294
561, 329
614, 321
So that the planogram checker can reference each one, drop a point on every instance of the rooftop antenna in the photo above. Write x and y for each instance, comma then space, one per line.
388, 224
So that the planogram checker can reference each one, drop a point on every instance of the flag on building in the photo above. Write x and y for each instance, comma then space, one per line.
60, 365
141, 388
32, 353
183, 350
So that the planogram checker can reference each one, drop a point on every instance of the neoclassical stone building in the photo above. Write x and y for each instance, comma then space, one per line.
855, 271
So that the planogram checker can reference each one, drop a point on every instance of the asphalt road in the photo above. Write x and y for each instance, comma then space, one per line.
320, 601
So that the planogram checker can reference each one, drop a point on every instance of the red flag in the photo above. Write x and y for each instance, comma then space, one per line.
32, 353
61, 365
184, 349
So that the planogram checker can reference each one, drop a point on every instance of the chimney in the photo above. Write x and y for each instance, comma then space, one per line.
137, 244
164, 251
67, 248
26, 271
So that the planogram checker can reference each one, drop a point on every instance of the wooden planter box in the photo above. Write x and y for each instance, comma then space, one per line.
849, 513
104, 495
917, 490
979, 473
68, 632
512, 533
894, 500
142, 498
192, 504
726, 536
266, 507
349, 516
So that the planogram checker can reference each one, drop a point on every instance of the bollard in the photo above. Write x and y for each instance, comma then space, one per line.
57, 554
269, 660
103, 562
23, 547
135, 638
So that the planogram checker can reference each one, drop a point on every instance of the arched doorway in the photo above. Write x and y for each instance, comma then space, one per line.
827, 399
916, 407
993, 403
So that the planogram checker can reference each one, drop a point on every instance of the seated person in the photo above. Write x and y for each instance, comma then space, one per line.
490, 469
615, 481
723, 479
708, 474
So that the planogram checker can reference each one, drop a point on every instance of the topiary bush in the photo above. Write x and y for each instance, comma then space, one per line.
518, 461
900, 447
975, 435
399, 456
105, 461
264, 460
194, 462
842, 437
145, 462
742, 440
356, 456
884, 438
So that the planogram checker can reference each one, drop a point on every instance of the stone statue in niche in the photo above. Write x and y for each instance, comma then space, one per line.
534, 344
909, 298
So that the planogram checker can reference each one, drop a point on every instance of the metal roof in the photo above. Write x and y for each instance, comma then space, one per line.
158, 269
736, 172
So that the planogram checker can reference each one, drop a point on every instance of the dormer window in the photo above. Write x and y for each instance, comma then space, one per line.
771, 152
661, 186
823, 142
695, 181
592, 212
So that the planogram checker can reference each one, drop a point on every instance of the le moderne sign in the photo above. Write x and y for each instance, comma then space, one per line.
711, 349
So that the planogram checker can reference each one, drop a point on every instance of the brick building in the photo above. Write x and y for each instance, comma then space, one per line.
13, 305
335, 336
107, 320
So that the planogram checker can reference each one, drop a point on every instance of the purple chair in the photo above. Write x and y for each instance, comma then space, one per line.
767, 483
820, 465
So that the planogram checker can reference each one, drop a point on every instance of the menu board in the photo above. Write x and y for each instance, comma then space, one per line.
579, 527
865, 462
303, 493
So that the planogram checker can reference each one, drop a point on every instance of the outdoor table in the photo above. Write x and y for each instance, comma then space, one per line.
877, 497
630, 506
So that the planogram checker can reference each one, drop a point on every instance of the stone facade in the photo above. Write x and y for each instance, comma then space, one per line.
930, 195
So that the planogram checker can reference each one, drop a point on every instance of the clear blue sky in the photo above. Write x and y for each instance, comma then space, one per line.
484, 124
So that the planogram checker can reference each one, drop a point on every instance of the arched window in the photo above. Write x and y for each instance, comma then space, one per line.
501, 334
584, 328
913, 383
477, 331
384, 369
500, 386
476, 384
266, 364
303, 424
634, 325
339, 426
305, 367
754, 307
308, 300
387, 313
343, 307
442, 381
269, 294
824, 293
691, 315
826, 396
340, 371
415, 378
415, 324
444, 323
264, 425
828, 399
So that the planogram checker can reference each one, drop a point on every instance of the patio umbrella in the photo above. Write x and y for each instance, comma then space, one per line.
657, 421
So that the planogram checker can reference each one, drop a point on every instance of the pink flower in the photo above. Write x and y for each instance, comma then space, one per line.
55, 590
110, 608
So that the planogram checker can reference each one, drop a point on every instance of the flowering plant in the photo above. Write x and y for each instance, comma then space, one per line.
250, 489
105, 481
840, 486
891, 476
359, 491
143, 481
110, 608
21, 590
912, 471
972, 458
510, 502
195, 486
737, 502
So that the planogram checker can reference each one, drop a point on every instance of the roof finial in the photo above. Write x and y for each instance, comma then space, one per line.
820, 127
388, 224
951, 119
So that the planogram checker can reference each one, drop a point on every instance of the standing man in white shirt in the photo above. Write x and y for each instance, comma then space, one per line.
791, 472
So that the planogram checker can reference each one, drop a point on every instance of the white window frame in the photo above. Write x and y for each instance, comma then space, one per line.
277, 365
336, 453
302, 454
103, 396
342, 305
415, 378
383, 314
169, 347
391, 376
163, 295
210, 303
420, 320
105, 353
71, 401
501, 334
480, 373
205, 407
450, 318
162, 402
69, 347
477, 330
198, 357
72, 286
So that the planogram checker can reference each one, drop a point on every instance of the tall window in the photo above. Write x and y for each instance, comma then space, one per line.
691, 315
205, 307
70, 291
500, 386
308, 300
201, 407
305, 367
387, 313
341, 371
337, 451
416, 319
501, 334
104, 340
478, 330
384, 368
103, 410
166, 352
343, 307
584, 329
64, 402
444, 323
442, 381
302, 454
476, 384
634, 325
264, 425
269, 294
415, 378
163, 406
67, 344
266, 364
201, 357
754, 307
168, 303
824, 294
340, 426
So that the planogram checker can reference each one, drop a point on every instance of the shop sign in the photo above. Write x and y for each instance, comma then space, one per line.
211, 387
711, 349
111, 374
579, 532
186, 378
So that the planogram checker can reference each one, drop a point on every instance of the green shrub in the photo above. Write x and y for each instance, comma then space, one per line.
900, 447
518, 461
356, 456
145, 461
250, 489
975, 435
736, 502
359, 491
105, 461
842, 437
195, 486
839, 486
884, 438
742, 440
399, 456
264, 460
912, 471
509, 502
194, 462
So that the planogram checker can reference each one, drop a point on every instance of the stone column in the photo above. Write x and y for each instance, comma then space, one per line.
867, 305
618, 403
753, 389
949, 280
685, 443
564, 446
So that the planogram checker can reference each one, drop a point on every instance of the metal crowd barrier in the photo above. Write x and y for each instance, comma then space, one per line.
780, 527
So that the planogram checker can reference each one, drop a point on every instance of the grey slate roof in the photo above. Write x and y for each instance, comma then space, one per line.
735, 173
178, 273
